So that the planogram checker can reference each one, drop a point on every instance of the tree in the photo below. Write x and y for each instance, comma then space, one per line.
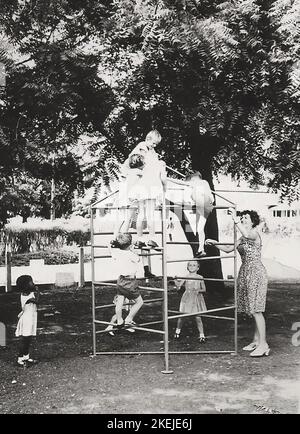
211, 78
54, 93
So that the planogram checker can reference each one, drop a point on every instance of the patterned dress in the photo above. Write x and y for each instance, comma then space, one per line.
192, 300
252, 280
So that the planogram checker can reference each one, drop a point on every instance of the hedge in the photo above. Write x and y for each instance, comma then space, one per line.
40, 235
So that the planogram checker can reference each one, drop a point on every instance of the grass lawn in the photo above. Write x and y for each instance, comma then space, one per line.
69, 380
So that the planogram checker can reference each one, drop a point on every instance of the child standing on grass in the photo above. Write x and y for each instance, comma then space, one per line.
192, 300
126, 262
27, 324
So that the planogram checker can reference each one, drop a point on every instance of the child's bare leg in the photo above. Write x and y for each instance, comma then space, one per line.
150, 216
134, 309
178, 327
140, 219
119, 307
200, 326
120, 217
129, 213
200, 223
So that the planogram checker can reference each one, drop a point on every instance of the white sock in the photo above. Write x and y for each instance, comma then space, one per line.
177, 331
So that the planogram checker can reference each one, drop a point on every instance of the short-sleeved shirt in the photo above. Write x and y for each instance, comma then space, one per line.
126, 261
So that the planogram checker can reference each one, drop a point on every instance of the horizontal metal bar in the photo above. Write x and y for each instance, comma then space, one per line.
129, 353
148, 288
196, 242
135, 327
150, 300
218, 317
224, 198
132, 233
152, 322
139, 254
243, 191
206, 316
213, 279
102, 257
205, 258
186, 315
103, 198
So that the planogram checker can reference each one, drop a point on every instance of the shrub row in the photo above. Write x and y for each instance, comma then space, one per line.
39, 235
50, 258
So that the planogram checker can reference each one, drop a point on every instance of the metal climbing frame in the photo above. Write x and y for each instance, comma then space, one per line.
210, 313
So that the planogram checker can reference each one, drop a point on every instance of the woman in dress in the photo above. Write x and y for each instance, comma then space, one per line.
252, 279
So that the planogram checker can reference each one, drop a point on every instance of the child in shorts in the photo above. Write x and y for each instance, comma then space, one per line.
127, 285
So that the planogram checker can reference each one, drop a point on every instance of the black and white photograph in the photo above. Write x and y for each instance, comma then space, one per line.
149, 210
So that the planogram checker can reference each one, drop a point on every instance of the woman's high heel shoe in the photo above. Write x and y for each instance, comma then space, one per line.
261, 351
251, 346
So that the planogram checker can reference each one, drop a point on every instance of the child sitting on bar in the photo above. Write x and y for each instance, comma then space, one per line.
126, 262
192, 300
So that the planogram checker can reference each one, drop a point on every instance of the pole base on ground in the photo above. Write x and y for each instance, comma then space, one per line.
167, 371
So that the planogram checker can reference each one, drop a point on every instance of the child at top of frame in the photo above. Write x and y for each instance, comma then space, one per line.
126, 262
198, 193
192, 300
131, 173
151, 187
27, 324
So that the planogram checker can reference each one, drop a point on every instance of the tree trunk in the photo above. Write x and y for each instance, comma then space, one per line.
203, 149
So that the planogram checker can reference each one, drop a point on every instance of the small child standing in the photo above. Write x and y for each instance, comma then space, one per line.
127, 286
27, 324
192, 300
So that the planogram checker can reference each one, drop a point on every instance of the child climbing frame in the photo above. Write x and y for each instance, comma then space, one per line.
162, 291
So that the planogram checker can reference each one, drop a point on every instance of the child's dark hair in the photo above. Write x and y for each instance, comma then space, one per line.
123, 240
23, 282
253, 216
136, 161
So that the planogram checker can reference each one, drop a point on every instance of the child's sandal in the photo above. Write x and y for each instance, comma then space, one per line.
176, 335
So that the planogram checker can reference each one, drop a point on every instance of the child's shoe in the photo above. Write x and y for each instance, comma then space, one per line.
29, 360
139, 244
121, 325
202, 339
152, 244
177, 334
21, 363
110, 328
130, 329
200, 254
114, 244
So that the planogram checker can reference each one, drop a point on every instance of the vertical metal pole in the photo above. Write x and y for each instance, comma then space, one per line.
235, 288
8, 268
81, 267
165, 286
93, 280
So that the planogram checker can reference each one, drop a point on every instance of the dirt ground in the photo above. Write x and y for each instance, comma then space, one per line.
69, 380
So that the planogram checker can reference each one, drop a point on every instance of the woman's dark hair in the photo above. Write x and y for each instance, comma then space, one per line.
22, 282
253, 216
136, 161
